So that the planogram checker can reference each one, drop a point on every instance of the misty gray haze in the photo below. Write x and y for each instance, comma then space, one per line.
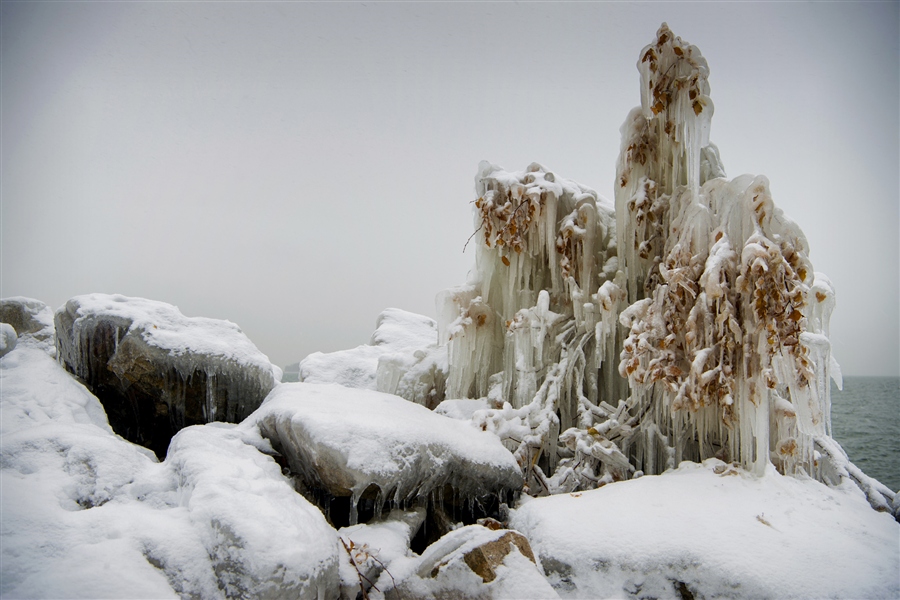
298, 167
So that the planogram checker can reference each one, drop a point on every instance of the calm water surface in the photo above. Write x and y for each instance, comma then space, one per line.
865, 419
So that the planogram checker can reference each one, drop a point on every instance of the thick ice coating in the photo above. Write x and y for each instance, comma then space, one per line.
532, 327
349, 442
157, 371
687, 323
723, 355
402, 358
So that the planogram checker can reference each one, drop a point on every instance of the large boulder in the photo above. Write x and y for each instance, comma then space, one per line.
261, 538
157, 371
368, 446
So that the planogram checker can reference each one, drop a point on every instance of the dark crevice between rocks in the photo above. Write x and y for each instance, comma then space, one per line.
150, 416
683, 590
444, 510
148, 394
139, 423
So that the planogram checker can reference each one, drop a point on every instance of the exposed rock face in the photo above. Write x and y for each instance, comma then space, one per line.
485, 559
475, 562
31, 319
380, 450
157, 371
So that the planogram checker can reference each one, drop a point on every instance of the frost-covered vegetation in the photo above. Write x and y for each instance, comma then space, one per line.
684, 323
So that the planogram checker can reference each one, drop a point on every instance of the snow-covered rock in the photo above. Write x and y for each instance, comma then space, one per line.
470, 562
714, 530
403, 341
157, 371
87, 514
31, 319
38, 391
359, 443
8, 338
262, 538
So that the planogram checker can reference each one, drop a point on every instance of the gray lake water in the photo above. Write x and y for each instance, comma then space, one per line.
865, 419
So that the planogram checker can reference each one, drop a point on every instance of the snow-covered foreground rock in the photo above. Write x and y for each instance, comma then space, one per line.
716, 532
87, 514
354, 443
157, 371
470, 562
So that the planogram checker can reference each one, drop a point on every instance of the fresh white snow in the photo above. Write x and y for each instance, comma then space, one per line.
398, 335
721, 531
86, 514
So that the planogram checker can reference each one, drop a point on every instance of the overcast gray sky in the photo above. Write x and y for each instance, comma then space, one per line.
298, 167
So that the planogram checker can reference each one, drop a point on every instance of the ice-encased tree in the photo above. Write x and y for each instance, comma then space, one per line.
727, 353
684, 323
535, 328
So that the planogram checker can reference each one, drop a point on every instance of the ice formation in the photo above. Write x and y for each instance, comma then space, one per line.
157, 371
365, 445
402, 358
684, 323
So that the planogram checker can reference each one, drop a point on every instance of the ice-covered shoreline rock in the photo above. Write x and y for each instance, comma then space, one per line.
361, 443
8, 338
402, 358
157, 371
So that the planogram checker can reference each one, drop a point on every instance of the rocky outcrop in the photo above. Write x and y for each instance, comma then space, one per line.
380, 451
484, 559
262, 539
157, 371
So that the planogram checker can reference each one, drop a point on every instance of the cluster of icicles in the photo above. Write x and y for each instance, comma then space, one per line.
683, 323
